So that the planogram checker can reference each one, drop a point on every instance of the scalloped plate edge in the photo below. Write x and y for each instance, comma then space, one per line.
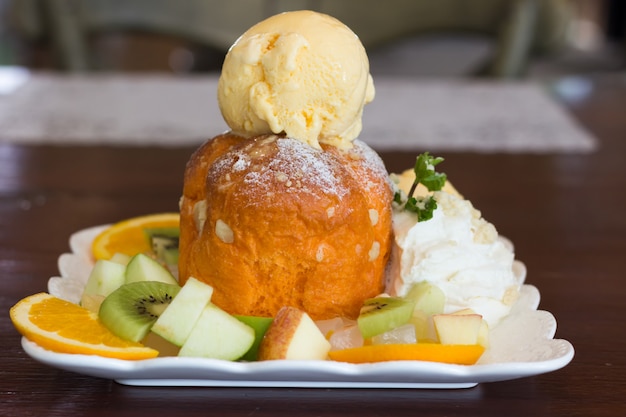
545, 355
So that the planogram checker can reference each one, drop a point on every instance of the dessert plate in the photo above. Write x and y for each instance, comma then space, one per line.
521, 345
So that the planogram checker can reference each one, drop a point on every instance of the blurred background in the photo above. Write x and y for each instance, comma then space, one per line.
493, 38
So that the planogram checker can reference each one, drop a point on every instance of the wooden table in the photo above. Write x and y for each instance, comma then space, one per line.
564, 212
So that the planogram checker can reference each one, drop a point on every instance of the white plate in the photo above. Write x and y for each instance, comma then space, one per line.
522, 345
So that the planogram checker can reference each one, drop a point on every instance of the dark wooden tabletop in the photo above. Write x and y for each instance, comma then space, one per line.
566, 214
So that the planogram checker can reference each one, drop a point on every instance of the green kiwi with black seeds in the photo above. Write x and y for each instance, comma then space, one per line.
382, 314
164, 243
131, 310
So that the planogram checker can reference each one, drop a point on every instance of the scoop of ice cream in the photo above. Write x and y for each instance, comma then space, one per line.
302, 73
461, 253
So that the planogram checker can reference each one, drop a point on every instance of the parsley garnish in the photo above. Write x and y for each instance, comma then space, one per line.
433, 181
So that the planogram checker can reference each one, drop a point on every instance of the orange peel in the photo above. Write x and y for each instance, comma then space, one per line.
64, 327
128, 237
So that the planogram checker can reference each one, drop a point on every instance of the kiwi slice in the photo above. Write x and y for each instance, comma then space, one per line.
164, 243
382, 314
131, 310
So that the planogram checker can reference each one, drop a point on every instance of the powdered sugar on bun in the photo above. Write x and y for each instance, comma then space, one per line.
271, 164
283, 223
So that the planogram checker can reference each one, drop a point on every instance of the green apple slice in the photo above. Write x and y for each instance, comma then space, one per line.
177, 321
260, 326
428, 298
143, 268
218, 335
120, 258
105, 277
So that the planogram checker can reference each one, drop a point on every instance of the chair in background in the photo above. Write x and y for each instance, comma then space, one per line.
516, 28
70, 28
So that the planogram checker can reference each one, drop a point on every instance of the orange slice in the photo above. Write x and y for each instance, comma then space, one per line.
433, 352
128, 236
64, 327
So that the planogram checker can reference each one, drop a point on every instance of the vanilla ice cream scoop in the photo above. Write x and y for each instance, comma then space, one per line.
302, 73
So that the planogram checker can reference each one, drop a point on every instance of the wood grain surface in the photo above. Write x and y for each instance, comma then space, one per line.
565, 213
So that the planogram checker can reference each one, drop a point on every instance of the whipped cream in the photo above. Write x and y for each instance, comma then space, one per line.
458, 251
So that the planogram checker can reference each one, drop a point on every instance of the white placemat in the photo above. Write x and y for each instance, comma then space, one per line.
163, 110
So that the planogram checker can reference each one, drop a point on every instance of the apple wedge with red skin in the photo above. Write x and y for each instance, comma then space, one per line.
458, 329
293, 335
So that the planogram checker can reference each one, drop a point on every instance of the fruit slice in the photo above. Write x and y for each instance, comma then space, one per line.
458, 329
260, 326
330, 326
105, 277
64, 327
382, 314
164, 347
424, 327
347, 337
293, 335
143, 268
483, 332
120, 258
164, 243
177, 321
400, 335
218, 335
92, 302
128, 236
131, 310
432, 352
428, 298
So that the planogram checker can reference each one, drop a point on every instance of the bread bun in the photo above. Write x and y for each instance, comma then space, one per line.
270, 222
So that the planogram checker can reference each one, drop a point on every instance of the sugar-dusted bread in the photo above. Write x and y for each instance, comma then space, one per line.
270, 222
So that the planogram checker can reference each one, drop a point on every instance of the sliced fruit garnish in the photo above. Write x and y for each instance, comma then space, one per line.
64, 327
129, 237
433, 352
381, 314
130, 311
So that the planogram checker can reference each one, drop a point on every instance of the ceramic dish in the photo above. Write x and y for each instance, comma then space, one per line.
521, 345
